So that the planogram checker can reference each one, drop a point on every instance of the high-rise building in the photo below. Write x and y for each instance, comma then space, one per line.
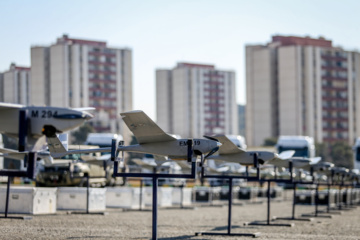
193, 100
84, 73
302, 86
15, 84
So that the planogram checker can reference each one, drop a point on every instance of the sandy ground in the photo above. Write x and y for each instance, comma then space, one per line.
183, 224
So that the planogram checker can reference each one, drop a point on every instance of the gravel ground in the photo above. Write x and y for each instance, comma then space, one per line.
183, 224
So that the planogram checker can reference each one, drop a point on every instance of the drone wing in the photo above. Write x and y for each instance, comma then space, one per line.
282, 160
13, 154
5, 106
58, 149
142, 164
227, 147
184, 165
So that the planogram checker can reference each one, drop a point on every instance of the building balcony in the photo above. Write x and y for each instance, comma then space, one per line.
212, 126
332, 57
338, 109
106, 108
213, 75
213, 90
214, 82
335, 129
102, 89
107, 54
337, 119
97, 80
338, 99
101, 98
214, 97
326, 77
214, 112
214, 120
102, 63
214, 104
329, 88
334, 68
96, 71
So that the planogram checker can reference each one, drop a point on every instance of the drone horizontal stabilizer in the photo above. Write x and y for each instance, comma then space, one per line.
315, 160
85, 109
286, 154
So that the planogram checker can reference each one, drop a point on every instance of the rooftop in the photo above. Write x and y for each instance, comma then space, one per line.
302, 41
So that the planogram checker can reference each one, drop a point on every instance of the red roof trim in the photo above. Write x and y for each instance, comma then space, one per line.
292, 40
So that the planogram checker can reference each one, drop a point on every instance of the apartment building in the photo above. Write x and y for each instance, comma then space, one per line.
84, 73
15, 84
193, 100
302, 86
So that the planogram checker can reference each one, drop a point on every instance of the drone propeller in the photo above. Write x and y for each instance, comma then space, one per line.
212, 152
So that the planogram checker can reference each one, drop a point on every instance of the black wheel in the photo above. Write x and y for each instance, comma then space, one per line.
37, 184
49, 131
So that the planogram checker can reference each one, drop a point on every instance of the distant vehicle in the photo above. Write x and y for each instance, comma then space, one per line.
82, 165
302, 145
80, 160
102, 139
356, 149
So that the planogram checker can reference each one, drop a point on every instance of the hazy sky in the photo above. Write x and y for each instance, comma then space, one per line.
162, 33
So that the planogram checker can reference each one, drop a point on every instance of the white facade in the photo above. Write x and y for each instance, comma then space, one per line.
193, 100
15, 85
260, 104
302, 86
84, 73
40, 70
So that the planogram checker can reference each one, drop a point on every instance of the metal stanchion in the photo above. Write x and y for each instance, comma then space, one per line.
268, 223
230, 195
155, 177
87, 178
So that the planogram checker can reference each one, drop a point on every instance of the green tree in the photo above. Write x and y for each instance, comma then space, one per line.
10, 142
341, 154
81, 134
321, 150
270, 142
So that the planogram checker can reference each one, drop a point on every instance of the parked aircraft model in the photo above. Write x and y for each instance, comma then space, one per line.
220, 169
297, 162
321, 170
41, 121
148, 165
153, 140
151, 165
229, 152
